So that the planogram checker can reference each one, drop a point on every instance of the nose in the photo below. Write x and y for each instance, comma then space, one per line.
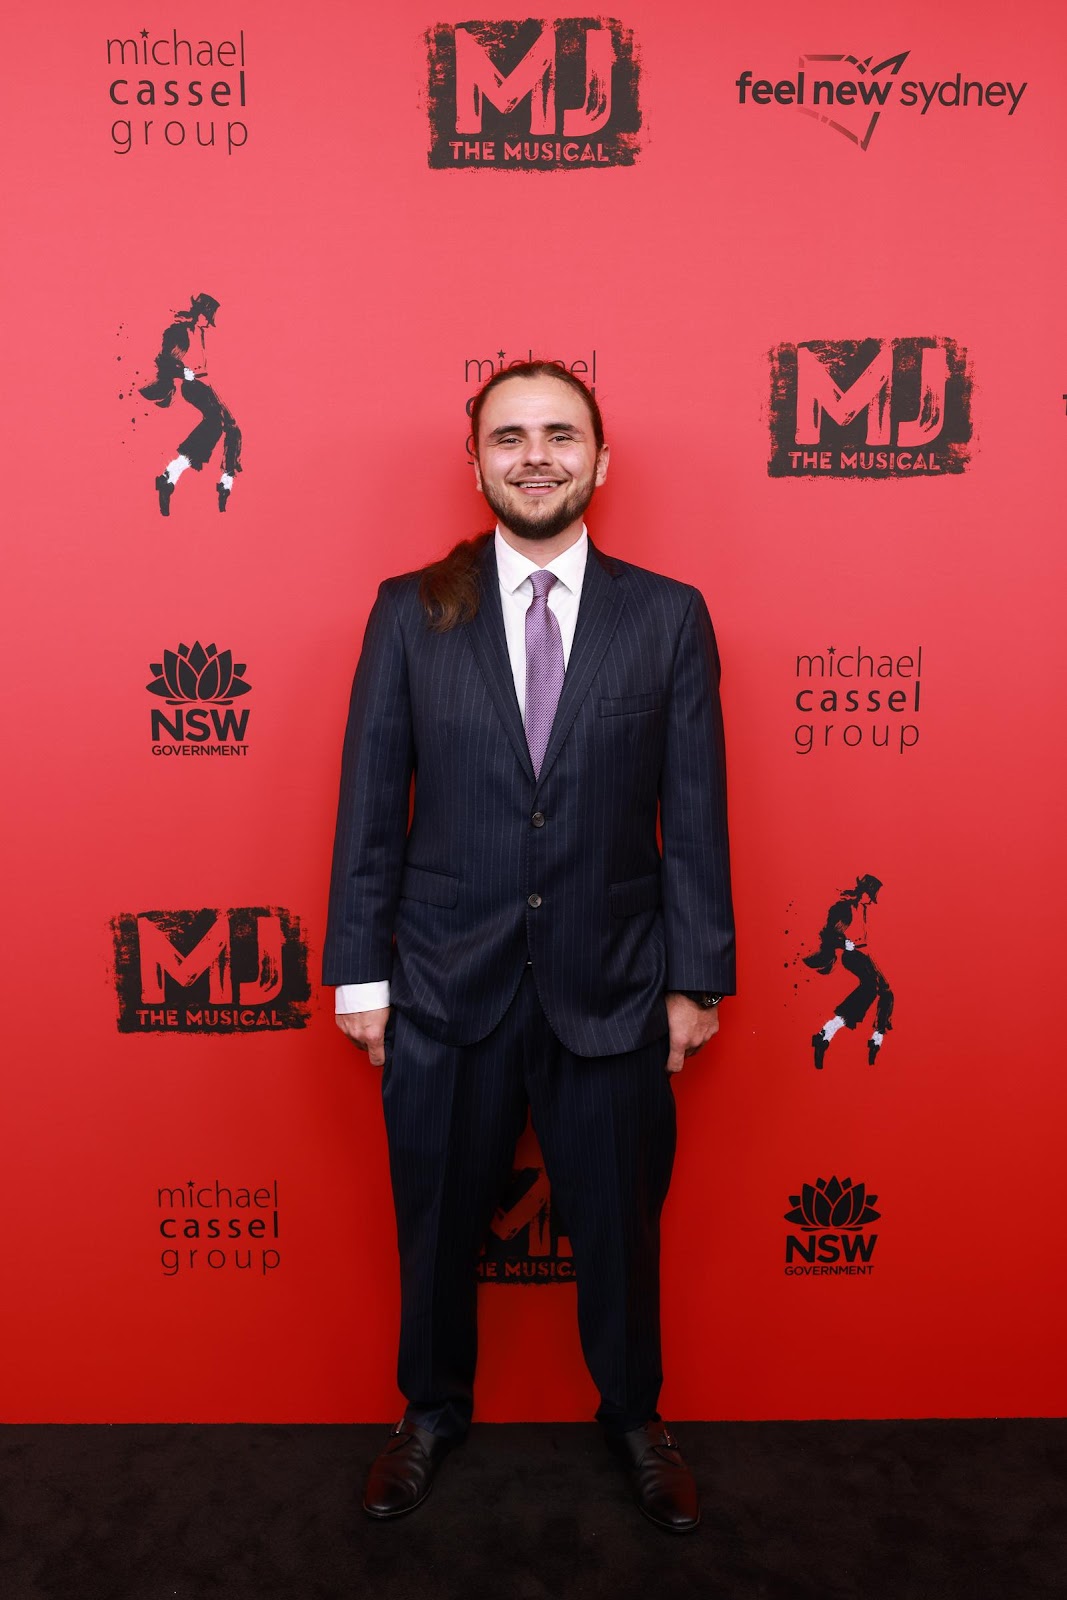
537, 453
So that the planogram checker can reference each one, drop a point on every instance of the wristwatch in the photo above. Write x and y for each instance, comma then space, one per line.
701, 997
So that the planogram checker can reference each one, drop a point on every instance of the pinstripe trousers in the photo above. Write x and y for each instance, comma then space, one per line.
606, 1127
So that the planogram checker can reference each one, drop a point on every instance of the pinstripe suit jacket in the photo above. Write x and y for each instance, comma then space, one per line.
565, 870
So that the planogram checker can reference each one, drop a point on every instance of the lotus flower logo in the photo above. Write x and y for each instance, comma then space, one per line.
198, 674
832, 1203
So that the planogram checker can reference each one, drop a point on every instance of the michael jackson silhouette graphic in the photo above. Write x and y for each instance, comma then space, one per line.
182, 358
844, 938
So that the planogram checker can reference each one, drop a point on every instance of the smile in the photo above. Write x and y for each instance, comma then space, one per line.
537, 485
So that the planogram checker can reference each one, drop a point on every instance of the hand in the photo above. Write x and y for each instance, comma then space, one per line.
849, 945
190, 375
367, 1030
690, 1027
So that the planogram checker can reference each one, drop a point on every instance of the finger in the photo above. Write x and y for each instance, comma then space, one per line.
700, 1042
377, 1053
676, 1059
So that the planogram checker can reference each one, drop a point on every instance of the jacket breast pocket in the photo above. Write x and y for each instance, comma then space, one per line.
635, 895
432, 888
627, 705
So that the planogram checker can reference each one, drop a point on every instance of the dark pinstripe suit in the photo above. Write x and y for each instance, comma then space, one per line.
534, 923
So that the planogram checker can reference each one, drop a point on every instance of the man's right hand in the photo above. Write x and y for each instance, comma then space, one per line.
367, 1030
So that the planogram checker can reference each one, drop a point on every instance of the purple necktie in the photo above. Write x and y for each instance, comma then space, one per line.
544, 668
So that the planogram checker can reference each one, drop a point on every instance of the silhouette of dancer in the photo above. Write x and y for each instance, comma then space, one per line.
182, 357
845, 936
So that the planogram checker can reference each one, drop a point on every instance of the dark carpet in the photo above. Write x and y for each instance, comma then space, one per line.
792, 1511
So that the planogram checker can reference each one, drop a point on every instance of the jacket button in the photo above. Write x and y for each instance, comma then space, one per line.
534, 900
538, 819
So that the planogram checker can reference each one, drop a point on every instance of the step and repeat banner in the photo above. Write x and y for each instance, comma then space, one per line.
260, 259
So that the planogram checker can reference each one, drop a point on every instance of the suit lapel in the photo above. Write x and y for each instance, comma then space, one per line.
489, 643
598, 616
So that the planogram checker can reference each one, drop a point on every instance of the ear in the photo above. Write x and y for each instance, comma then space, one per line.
477, 472
603, 456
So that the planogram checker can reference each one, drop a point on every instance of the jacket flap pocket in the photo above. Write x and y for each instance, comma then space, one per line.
433, 888
636, 894
626, 704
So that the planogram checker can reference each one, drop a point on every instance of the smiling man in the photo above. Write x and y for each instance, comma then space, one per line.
524, 942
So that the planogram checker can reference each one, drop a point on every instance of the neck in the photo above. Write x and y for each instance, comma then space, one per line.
542, 551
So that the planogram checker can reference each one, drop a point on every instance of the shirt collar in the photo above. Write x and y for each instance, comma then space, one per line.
513, 568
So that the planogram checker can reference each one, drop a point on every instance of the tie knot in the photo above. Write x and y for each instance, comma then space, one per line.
542, 582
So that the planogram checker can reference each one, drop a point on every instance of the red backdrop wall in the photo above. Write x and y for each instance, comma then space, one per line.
357, 284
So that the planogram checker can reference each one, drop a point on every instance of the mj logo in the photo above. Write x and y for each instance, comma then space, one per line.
209, 971
527, 1240
908, 401
533, 94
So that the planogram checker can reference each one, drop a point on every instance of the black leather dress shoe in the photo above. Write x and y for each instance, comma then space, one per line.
164, 488
402, 1476
664, 1485
820, 1044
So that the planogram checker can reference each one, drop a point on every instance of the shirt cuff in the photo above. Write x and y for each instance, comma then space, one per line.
361, 997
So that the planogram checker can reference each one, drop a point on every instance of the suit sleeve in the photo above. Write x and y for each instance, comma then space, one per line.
697, 906
372, 815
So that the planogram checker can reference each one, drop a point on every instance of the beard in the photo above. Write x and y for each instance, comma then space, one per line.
533, 522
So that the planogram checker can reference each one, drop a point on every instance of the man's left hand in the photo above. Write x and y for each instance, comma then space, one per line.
690, 1027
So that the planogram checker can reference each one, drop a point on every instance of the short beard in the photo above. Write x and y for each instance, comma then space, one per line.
572, 506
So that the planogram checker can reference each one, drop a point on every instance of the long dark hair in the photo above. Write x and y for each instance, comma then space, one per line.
450, 589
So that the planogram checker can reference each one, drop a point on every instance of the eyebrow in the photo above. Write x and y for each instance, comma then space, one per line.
550, 427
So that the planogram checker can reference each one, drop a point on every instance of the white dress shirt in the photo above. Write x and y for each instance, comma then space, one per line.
516, 594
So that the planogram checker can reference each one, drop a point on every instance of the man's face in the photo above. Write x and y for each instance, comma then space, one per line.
536, 458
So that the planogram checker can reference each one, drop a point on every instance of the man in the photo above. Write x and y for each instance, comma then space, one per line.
521, 941
182, 357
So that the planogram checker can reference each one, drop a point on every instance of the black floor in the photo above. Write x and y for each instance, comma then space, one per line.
793, 1511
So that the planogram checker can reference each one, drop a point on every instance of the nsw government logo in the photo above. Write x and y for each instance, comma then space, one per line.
200, 684
869, 408
533, 95
831, 1214
238, 971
